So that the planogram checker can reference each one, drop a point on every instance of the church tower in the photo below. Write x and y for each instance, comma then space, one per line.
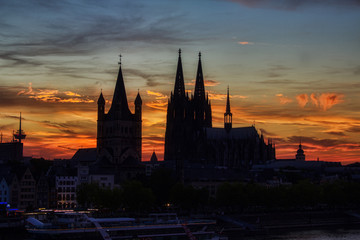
119, 131
228, 114
179, 119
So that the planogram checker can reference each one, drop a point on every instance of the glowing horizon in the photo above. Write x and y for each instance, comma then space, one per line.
291, 68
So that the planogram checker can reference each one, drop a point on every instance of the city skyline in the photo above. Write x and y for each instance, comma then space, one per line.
292, 69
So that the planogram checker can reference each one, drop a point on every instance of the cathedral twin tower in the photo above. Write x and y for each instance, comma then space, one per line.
185, 115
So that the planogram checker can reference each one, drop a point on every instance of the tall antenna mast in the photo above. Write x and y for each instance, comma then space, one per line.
20, 133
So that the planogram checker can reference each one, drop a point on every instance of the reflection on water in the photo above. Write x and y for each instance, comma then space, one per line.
339, 234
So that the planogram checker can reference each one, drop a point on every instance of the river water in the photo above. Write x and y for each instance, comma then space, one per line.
338, 234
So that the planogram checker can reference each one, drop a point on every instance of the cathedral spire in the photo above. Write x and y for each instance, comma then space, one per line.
199, 82
179, 89
228, 114
119, 107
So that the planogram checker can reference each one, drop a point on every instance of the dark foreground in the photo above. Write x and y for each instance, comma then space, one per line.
309, 225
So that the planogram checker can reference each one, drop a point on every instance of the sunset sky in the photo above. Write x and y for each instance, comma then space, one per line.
293, 69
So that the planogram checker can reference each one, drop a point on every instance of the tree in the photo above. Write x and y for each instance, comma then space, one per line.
136, 197
161, 182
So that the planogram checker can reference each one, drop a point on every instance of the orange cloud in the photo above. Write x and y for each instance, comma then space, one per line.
216, 96
72, 94
160, 102
314, 99
53, 95
245, 43
326, 100
283, 99
207, 83
158, 105
302, 99
158, 95
28, 92
76, 100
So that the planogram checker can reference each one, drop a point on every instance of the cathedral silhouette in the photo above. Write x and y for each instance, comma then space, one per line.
191, 140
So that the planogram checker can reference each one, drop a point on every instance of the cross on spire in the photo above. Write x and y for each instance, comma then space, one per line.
120, 59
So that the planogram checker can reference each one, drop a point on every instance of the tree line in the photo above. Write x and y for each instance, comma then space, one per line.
161, 191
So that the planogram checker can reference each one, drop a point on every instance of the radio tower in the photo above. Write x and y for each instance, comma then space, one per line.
20, 134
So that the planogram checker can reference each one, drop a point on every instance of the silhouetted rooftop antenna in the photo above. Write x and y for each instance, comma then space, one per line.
120, 59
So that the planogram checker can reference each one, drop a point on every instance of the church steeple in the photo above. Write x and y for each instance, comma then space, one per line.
179, 89
228, 114
119, 107
199, 93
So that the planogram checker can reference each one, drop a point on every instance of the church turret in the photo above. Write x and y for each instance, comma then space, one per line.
138, 119
228, 114
101, 107
100, 122
153, 158
138, 103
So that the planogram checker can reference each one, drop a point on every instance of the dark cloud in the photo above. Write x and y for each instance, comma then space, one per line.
6, 126
13, 60
354, 129
276, 71
341, 134
158, 125
72, 128
275, 75
296, 4
278, 81
84, 38
357, 70
152, 80
267, 133
68, 148
327, 143
154, 138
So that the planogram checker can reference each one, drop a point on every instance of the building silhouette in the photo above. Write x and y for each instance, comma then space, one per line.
300, 156
119, 130
13, 151
190, 138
